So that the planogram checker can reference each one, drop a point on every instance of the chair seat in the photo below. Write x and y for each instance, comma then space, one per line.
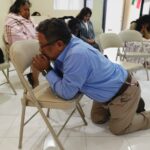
131, 66
137, 54
48, 99
4, 65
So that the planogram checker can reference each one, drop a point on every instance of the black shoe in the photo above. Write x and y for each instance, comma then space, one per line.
30, 79
141, 106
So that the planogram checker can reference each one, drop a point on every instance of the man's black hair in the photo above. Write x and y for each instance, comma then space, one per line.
55, 29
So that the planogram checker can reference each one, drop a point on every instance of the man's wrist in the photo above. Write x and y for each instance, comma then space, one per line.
45, 71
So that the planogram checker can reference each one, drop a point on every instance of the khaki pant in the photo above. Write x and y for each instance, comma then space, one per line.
121, 112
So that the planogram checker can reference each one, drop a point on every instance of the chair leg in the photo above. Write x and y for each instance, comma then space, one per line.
50, 127
47, 114
66, 122
9, 82
8, 73
147, 72
22, 125
116, 57
79, 108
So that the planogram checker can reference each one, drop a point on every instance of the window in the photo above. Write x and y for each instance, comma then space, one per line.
89, 3
68, 4
146, 7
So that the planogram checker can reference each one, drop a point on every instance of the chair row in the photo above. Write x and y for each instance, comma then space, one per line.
119, 41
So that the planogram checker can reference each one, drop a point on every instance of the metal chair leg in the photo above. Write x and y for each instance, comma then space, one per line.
9, 82
79, 108
22, 126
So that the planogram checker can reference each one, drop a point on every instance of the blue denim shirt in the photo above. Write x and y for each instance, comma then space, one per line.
86, 70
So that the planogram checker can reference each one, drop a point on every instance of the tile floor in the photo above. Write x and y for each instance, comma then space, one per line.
75, 136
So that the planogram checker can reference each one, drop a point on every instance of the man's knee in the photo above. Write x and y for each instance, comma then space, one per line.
98, 119
99, 115
116, 130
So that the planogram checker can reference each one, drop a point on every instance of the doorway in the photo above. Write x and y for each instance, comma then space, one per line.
114, 15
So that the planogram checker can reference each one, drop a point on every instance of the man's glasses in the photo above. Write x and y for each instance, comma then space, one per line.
47, 44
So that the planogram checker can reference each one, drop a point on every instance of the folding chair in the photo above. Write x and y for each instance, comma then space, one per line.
132, 36
5, 66
7, 47
112, 40
21, 54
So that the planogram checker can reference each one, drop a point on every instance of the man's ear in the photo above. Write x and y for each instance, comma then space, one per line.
60, 43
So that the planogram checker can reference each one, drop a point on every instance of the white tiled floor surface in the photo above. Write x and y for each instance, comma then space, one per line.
76, 136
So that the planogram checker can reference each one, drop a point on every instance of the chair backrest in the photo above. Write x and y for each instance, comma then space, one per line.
5, 48
131, 36
22, 53
110, 40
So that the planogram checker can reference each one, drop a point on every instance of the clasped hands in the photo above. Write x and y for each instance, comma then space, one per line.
41, 62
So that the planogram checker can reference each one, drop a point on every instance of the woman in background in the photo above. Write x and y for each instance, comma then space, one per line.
18, 26
142, 25
87, 31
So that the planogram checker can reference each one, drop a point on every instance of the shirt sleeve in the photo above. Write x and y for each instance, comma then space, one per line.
75, 73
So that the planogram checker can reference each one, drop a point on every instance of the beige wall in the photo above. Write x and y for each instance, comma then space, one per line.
5, 4
126, 15
45, 7
97, 15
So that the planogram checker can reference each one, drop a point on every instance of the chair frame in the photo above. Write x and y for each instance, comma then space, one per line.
133, 36
3, 66
113, 40
15, 50
7, 47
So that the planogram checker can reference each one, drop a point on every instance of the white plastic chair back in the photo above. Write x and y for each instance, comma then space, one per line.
131, 36
110, 40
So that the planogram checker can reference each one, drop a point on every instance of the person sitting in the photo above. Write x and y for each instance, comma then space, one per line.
142, 25
19, 26
87, 31
74, 26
